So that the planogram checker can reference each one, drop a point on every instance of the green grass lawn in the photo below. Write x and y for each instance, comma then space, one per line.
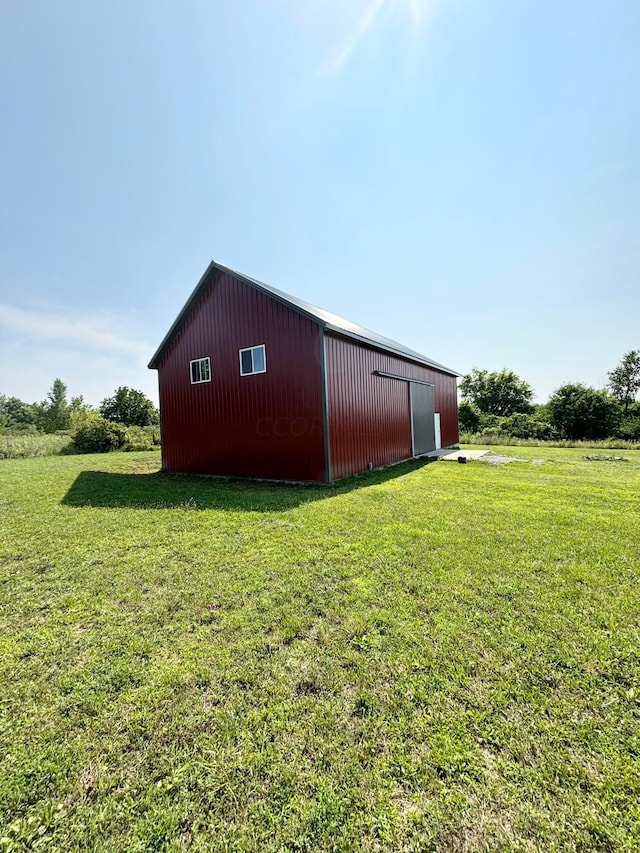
437, 657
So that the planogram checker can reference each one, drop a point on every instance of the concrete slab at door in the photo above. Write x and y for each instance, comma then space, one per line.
422, 403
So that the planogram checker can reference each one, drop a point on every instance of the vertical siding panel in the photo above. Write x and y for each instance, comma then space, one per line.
267, 425
369, 416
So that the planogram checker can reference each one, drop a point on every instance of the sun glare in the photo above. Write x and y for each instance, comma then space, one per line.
370, 15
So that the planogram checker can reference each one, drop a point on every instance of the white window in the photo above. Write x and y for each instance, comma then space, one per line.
253, 360
200, 370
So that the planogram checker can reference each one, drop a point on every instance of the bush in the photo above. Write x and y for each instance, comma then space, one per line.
98, 435
141, 438
527, 426
79, 418
630, 429
490, 422
469, 416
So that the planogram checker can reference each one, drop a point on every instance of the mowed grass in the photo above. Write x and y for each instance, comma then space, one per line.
437, 657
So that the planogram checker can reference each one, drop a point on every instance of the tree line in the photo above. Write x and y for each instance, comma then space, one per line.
491, 402
127, 419
502, 402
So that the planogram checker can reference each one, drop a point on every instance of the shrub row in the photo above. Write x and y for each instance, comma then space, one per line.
543, 423
90, 434
95, 434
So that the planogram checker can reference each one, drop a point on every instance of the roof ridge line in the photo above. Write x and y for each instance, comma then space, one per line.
326, 319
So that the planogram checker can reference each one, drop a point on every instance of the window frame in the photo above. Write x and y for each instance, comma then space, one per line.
253, 372
198, 361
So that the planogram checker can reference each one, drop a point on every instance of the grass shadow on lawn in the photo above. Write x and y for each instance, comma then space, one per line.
162, 490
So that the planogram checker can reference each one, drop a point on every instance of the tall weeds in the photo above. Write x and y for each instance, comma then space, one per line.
502, 439
33, 444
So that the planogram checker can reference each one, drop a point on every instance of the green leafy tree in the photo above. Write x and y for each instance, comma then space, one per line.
624, 380
80, 412
78, 404
53, 413
129, 407
499, 393
579, 412
469, 416
16, 416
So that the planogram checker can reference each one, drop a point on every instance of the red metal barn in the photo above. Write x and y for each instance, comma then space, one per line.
257, 383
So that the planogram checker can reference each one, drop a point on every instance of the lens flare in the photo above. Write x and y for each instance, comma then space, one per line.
368, 19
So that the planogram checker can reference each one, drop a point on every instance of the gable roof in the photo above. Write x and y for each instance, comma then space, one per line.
330, 322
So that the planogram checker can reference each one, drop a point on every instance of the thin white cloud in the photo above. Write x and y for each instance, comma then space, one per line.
92, 332
93, 351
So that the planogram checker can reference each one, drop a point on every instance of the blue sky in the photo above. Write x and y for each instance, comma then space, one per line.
461, 175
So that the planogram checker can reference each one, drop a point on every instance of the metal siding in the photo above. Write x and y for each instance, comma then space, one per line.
369, 415
264, 425
325, 406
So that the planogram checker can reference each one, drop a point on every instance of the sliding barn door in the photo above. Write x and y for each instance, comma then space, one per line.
423, 434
